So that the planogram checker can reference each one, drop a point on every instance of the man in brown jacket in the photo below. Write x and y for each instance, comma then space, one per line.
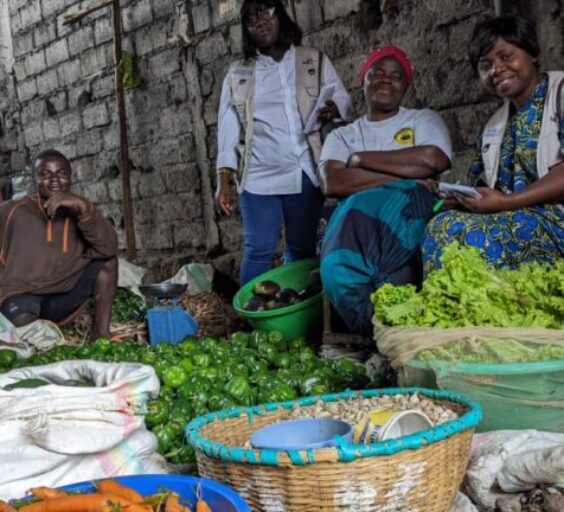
56, 251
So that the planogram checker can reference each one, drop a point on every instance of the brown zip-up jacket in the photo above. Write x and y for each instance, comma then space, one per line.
42, 256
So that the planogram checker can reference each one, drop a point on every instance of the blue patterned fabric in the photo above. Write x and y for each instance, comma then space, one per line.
371, 235
506, 239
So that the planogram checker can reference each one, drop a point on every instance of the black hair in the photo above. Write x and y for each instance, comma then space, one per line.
516, 30
48, 153
290, 32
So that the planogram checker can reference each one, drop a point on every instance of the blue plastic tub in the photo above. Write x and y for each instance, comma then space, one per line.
302, 434
218, 496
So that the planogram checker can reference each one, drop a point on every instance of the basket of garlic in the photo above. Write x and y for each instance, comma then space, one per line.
421, 471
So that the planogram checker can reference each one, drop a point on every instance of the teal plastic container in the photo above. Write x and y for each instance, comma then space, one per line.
302, 319
513, 396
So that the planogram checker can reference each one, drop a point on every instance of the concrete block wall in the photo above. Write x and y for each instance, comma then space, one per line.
59, 92
63, 78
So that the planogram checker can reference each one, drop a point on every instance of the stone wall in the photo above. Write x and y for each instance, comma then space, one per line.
59, 92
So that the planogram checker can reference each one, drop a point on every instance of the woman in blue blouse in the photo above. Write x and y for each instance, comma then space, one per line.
519, 217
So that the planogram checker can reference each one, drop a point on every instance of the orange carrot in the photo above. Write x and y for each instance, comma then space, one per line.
172, 504
134, 507
95, 502
46, 493
202, 506
117, 489
4, 507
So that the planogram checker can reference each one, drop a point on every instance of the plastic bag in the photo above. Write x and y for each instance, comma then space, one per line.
130, 275
513, 395
58, 434
197, 276
523, 471
402, 344
463, 504
493, 465
37, 336
42, 335
9, 339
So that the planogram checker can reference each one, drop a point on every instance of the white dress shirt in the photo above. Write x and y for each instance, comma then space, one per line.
280, 151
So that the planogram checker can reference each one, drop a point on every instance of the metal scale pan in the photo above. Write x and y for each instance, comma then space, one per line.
163, 291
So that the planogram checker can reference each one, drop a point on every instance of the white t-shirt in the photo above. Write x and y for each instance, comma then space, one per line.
408, 128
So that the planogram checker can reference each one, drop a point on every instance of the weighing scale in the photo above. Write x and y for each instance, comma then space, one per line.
166, 320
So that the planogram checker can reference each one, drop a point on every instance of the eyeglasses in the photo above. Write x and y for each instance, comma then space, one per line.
261, 13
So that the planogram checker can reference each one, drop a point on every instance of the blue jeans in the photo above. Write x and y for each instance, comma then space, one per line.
263, 216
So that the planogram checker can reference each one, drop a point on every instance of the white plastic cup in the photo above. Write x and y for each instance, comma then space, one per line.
383, 424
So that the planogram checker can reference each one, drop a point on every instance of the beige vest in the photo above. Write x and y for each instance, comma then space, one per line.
549, 151
241, 77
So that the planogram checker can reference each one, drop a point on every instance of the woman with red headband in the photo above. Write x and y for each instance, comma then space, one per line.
377, 167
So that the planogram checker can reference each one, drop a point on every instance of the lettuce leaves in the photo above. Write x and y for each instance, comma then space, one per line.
467, 292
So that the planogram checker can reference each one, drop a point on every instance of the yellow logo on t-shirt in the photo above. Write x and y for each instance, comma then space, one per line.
404, 137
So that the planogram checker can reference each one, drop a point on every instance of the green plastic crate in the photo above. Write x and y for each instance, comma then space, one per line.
302, 319
513, 396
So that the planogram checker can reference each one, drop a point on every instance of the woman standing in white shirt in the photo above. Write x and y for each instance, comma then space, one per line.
266, 101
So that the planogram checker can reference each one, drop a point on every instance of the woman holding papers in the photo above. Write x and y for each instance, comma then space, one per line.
267, 100
519, 216
378, 167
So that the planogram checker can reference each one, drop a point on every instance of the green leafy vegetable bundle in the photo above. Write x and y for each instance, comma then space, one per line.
467, 292
127, 307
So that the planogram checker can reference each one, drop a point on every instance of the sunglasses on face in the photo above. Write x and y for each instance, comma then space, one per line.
261, 12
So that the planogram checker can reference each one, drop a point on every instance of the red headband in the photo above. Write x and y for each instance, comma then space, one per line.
388, 51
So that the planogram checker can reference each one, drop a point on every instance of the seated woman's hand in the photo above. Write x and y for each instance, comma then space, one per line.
491, 201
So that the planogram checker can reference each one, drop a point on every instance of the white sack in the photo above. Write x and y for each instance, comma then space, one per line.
523, 471
463, 504
56, 435
488, 457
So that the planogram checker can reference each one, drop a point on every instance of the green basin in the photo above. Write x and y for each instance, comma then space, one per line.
302, 319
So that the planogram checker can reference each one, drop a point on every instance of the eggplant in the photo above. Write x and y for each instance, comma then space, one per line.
310, 291
254, 304
287, 296
274, 304
266, 289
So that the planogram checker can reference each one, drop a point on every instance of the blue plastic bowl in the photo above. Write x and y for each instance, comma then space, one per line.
219, 497
302, 434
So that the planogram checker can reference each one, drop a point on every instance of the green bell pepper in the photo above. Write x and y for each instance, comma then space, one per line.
175, 376
157, 412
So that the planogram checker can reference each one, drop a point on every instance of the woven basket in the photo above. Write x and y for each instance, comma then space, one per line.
421, 472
